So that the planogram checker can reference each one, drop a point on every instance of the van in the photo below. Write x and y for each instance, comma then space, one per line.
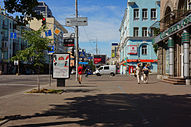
106, 69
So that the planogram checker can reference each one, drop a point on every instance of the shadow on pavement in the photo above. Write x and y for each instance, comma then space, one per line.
120, 110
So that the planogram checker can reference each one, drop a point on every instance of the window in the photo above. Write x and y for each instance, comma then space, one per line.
189, 5
136, 14
144, 14
106, 68
101, 68
135, 31
152, 32
144, 31
153, 14
144, 50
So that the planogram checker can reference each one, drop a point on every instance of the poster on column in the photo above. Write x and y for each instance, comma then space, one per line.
61, 65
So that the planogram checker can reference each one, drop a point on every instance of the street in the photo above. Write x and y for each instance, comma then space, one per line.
101, 101
10, 84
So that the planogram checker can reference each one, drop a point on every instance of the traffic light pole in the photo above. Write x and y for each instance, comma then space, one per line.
77, 45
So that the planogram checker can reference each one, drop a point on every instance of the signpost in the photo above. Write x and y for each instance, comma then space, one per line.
13, 35
57, 31
51, 51
80, 21
61, 68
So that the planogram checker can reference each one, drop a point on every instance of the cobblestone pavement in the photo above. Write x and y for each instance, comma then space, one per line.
101, 102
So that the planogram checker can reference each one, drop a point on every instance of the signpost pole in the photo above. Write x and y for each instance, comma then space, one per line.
76, 31
61, 82
50, 71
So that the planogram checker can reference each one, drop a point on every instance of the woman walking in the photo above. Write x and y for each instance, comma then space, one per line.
146, 71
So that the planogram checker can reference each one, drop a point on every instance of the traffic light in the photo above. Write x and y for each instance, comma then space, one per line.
43, 21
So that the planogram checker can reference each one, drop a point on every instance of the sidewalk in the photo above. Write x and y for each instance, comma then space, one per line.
101, 101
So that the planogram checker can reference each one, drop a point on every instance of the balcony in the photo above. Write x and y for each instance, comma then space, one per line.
172, 18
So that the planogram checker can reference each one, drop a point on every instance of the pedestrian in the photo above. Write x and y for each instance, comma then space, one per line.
138, 72
146, 71
87, 71
80, 72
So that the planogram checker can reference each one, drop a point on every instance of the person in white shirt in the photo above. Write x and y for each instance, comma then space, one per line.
138, 72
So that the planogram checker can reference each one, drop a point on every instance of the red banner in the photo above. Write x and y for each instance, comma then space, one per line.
97, 60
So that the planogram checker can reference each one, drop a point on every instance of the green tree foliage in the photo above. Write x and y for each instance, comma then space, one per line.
155, 46
34, 53
24, 7
156, 32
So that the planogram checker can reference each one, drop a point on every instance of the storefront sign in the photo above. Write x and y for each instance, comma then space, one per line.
175, 28
132, 49
100, 59
61, 63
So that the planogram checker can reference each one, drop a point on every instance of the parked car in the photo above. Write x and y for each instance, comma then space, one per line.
106, 69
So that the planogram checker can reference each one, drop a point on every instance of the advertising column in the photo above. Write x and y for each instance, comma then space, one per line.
61, 66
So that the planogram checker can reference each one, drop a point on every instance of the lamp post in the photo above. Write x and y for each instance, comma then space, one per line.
77, 45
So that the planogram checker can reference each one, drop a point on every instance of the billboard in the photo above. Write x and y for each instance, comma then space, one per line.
99, 59
61, 65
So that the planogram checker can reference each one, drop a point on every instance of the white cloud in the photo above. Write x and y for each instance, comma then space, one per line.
104, 31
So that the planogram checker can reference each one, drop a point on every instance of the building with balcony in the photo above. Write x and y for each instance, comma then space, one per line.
135, 38
173, 40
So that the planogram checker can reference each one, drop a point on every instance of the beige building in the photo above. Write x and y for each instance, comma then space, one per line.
174, 51
114, 60
56, 36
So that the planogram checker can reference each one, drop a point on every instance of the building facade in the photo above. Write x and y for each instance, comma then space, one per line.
135, 38
54, 28
11, 41
174, 40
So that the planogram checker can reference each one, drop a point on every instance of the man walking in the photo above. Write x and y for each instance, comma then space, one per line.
80, 72
138, 72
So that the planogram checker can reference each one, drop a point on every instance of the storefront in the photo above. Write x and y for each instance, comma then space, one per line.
174, 50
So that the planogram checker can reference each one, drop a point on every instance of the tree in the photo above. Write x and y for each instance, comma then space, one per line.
24, 7
34, 53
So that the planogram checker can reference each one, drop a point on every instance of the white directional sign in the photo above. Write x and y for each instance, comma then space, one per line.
81, 21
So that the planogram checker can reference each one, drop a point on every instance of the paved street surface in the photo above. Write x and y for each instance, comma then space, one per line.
101, 102
10, 84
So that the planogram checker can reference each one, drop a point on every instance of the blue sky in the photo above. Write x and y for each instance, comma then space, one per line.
104, 19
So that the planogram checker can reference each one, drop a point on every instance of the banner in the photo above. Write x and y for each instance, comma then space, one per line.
99, 59
61, 65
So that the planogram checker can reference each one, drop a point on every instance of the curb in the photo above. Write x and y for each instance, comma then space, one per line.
3, 122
